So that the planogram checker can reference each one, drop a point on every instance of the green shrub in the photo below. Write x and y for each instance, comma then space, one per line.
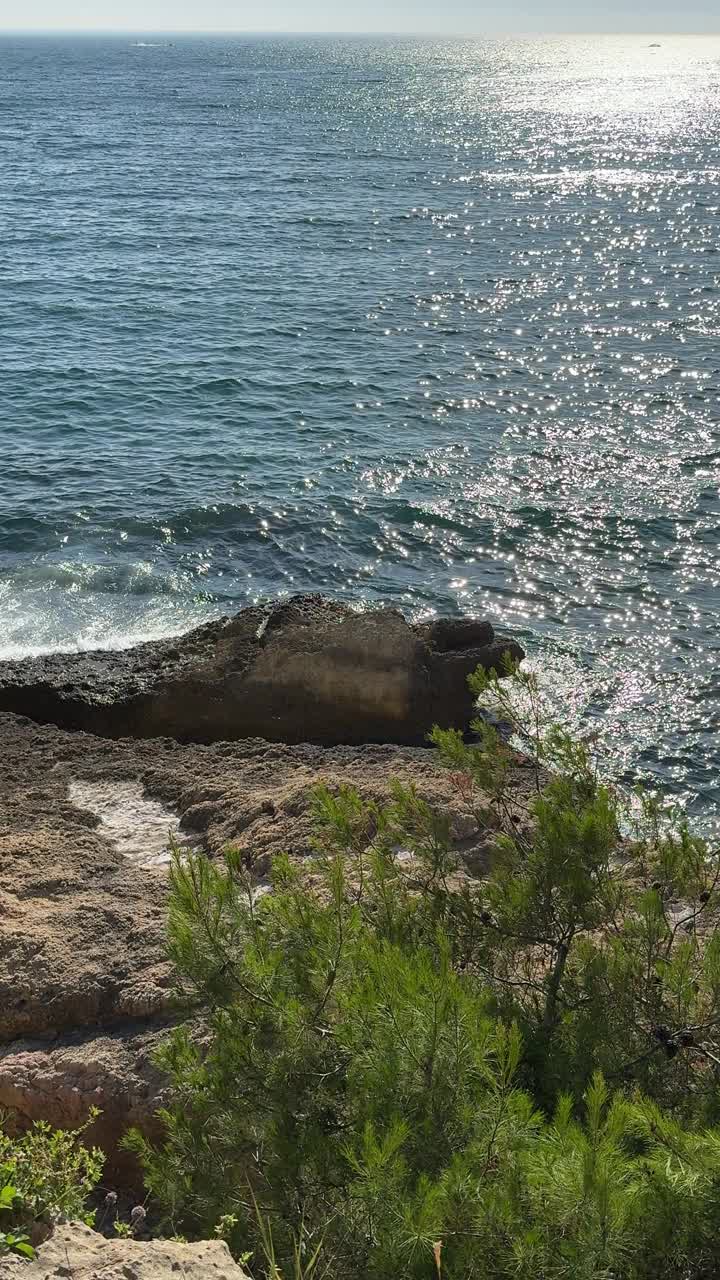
45, 1175
392, 1069
13, 1241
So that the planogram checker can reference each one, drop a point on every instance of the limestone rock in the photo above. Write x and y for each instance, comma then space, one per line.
75, 1252
60, 1080
81, 932
307, 670
85, 987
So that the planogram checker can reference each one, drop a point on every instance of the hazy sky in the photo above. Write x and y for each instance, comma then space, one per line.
365, 15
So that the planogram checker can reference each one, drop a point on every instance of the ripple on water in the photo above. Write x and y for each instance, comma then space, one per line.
433, 323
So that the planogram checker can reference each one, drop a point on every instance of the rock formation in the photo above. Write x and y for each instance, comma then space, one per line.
74, 1252
308, 670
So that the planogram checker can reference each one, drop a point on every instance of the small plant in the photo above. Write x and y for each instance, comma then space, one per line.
303, 1263
13, 1241
46, 1175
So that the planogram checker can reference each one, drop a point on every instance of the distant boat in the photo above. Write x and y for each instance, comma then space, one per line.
654, 46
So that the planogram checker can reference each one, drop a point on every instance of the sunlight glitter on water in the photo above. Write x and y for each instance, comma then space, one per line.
455, 349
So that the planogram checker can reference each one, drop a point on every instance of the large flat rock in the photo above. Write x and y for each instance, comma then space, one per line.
308, 670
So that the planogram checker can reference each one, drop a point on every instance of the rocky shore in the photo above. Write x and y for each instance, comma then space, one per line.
217, 737
308, 670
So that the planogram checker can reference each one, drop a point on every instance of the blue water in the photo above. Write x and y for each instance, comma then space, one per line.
428, 322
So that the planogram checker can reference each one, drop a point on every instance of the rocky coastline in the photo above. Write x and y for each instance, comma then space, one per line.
217, 737
307, 670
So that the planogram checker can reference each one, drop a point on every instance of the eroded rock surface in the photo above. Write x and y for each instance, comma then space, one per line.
60, 1079
74, 1252
85, 989
307, 670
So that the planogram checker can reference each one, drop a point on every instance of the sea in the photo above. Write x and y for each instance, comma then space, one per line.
432, 323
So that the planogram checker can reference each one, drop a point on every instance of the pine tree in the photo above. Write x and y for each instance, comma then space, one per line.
386, 1072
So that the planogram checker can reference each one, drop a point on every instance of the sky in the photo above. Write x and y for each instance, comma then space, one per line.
467, 16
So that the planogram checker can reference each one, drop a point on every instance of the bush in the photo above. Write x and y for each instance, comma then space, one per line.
13, 1241
45, 1175
392, 1069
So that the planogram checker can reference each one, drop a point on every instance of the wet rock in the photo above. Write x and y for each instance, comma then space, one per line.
75, 1252
448, 634
307, 670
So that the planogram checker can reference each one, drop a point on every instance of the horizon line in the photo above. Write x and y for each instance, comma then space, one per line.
317, 31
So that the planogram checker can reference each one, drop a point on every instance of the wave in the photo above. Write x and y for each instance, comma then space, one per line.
51, 608
138, 578
222, 386
407, 513
36, 635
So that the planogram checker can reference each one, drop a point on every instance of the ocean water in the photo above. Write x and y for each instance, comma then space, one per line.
434, 323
